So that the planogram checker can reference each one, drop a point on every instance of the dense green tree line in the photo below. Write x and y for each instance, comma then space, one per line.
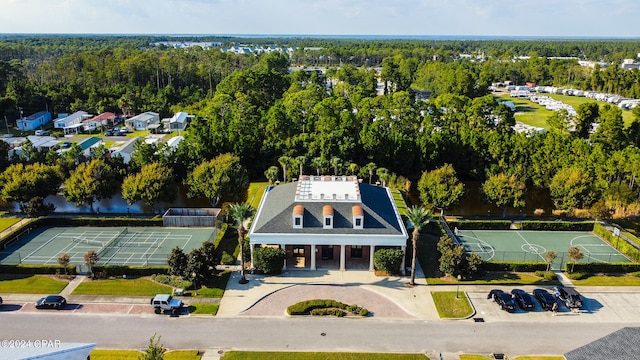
263, 115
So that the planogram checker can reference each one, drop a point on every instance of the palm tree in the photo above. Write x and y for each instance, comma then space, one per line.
371, 167
352, 168
271, 174
301, 160
284, 162
241, 212
335, 162
318, 163
419, 217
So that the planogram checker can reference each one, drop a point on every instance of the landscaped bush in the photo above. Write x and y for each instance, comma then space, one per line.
100, 221
227, 259
577, 275
330, 311
172, 280
480, 224
36, 269
388, 260
547, 275
309, 306
513, 266
269, 259
557, 225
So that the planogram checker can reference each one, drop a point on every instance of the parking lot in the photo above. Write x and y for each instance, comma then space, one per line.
75, 308
598, 307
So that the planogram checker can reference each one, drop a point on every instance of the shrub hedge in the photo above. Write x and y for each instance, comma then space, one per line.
620, 244
36, 269
557, 225
594, 268
515, 266
325, 307
99, 221
480, 224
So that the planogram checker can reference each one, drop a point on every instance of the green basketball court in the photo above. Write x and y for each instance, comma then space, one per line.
132, 246
523, 245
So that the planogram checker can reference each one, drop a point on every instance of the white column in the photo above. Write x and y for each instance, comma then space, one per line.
313, 257
250, 249
404, 255
284, 266
342, 257
372, 249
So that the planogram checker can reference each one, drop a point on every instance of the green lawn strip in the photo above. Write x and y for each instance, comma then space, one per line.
122, 287
462, 357
135, 355
215, 287
7, 222
451, 307
497, 278
34, 284
255, 192
398, 199
608, 280
255, 355
203, 309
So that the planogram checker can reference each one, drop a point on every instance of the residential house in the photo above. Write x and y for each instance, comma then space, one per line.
87, 145
126, 149
142, 121
178, 122
71, 123
328, 222
96, 122
34, 121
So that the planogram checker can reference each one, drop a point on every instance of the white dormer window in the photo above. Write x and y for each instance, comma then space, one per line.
298, 217
358, 217
327, 217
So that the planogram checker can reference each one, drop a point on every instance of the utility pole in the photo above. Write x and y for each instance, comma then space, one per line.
6, 122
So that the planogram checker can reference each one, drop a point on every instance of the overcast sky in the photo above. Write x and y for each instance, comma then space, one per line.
587, 18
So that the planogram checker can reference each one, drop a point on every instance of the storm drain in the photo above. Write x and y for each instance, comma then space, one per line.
478, 319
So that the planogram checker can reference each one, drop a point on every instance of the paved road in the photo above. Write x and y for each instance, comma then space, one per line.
297, 334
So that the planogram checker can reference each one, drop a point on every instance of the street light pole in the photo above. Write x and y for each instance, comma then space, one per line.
458, 287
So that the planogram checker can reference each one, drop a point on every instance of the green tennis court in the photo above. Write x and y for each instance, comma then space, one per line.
523, 245
133, 246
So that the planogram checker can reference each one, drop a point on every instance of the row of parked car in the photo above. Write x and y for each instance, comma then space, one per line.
121, 131
520, 298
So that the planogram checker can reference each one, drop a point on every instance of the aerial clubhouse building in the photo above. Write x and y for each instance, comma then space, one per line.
328, 221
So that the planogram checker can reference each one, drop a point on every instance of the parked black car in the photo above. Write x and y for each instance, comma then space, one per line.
546, 300
569, 296
523, 299
504, 300
51, 302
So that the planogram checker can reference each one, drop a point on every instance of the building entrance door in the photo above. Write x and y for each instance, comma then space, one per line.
356, 251
327, 252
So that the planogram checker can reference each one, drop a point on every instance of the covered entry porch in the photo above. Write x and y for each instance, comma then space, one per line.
330, 256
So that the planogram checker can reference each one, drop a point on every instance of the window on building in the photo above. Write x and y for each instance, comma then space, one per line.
358, 222
298, 251
327, 221
297, 221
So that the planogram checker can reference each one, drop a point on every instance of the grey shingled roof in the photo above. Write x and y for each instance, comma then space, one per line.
276, 214
623, 344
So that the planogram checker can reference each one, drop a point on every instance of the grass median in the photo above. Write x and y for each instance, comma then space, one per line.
135, 355
452, 304
121, 287
31, 284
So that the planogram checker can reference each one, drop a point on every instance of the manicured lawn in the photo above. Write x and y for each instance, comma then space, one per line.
608, 280
528, 112
203, 309
466, 357
35, 284
6, 223
251, 355
135, 355
255, 192
123, 287
399, 200
497, 278
214, 288
450, 307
